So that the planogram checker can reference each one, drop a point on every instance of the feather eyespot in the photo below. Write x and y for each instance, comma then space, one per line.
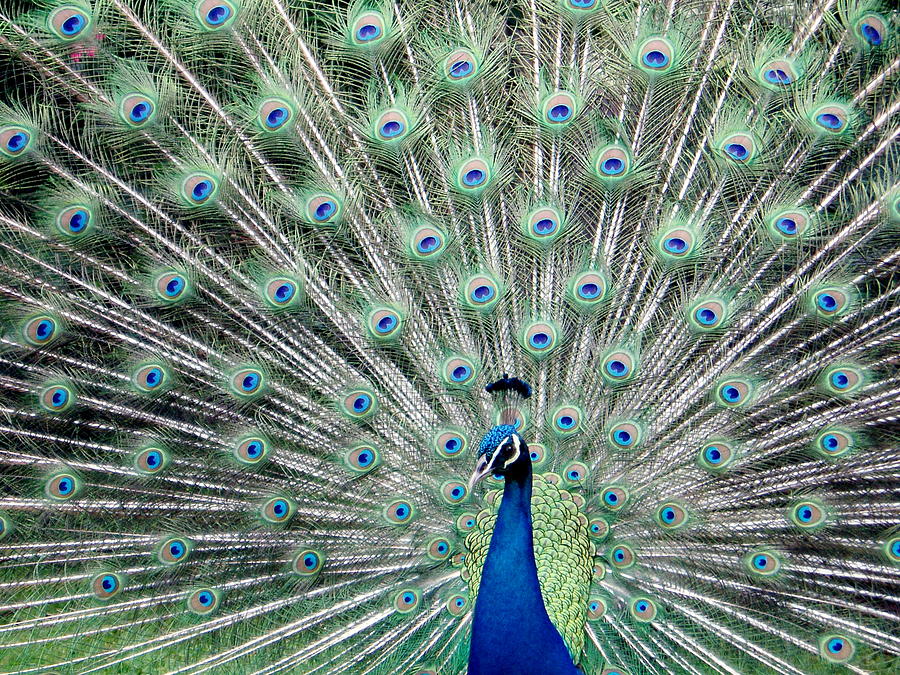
174, 550
559, 109
439, 549
278, 510
5, 526
450, 444
598, 528
837, 648
275, 114
738, 147
626, 435
671, 516
778, 74
871, 30
539, 338
789, 224
807, 515
543, 225
580, 5
457, 604
656, 55
199, 188
596, 608
473, 175
105, 586
716, 455
707, 315
151, 461
40, 330
399, 512
307, 563
734, 392
391, 126
481, 292
74, 221
368, 29
461, 66
215, 14
171, 287
842, 380
251, 450
830, 301
57, 398
466, 522
62, 486
360, 403
427, 243
763, 563
150, 378
566, 420
15, 140
69, 22
136, 109
891, 549
643, 609
384, 323
614, 498
613, 163
576, 473
617, 367
459, 372
834, 443
323, 208
622, 556
281, 292
407, 600
362, 458
454, 492
675, 244
247, 383
538, 454
588, 289
831, 118
203, 601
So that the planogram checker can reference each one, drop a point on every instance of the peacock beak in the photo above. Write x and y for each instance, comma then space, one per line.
483, 468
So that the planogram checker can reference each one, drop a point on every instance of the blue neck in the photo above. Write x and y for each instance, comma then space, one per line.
511, 632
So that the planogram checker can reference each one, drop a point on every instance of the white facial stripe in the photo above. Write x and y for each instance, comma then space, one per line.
517, 444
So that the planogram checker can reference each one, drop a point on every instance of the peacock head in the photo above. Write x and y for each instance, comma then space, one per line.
502, 453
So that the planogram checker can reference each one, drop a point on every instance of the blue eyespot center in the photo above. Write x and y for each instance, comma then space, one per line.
737, 151
361, 403
44, 329
153, 377
830, 121
545, 226
731, 394
461, 69
176, 549
108, 583
392, 129
78, 221
619, 554
787, 225
401, 511
429, 244
560, 113
616, 368
655, 59
871, 34
218, 15
325, 210
474, 177
153, 459
59, 397
74, 24
589, 291
622, 437
482, 293
368, 32
284, 292
386, 323
805, 514
201, 190
250, 381
65, 486
310, 560
840, 379
777, 76
760, 562
675, 245
254, 449
831, 442
612, 166
713, 455
452, 445
668, 515
826, 302
205, 598
17, 141
276, 118
706, 316
566, 421
461, 373
582, 4
539, 340
140, 111
612, 497
174, 286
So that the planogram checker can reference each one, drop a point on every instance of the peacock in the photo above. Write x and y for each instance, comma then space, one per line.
428, 337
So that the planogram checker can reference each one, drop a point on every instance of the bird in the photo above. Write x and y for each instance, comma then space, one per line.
277, 276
